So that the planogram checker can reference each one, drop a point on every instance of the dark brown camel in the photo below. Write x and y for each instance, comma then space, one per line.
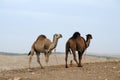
77, 43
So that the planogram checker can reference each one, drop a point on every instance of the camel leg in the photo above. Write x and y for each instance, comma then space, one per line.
66, 56
55, 55
74, 55
80, 58
38, 60
30, 58
30, 61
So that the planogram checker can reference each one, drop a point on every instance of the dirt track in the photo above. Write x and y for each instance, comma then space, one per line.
90, 71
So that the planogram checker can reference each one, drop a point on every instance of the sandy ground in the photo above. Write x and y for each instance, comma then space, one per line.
16, 68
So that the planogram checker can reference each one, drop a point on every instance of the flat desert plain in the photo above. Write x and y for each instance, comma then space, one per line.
16, 68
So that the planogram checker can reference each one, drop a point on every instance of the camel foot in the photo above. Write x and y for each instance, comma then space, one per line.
66, 66
42, 67
80, 66
29, 70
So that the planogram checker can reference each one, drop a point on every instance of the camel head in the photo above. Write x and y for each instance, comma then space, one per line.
57, 36
52, 46
89, 36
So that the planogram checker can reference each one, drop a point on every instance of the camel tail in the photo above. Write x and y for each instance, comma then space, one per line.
68, 50
29, 53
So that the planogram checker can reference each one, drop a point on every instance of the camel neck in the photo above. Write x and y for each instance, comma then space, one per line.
87, 42
55, 42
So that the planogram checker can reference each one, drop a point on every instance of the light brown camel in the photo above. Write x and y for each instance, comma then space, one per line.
43, 45
77, 43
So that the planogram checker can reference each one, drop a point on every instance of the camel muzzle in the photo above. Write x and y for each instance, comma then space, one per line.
61, 35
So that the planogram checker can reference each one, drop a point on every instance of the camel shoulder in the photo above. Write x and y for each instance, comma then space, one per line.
47, 40
80, 40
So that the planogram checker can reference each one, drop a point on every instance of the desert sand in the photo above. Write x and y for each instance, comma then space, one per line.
16, 68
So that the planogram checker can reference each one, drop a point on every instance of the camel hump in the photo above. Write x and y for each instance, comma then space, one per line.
41, 37
75, 35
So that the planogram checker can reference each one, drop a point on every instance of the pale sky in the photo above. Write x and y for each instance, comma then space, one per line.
22, 21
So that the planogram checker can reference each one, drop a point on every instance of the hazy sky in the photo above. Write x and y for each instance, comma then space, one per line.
21, 21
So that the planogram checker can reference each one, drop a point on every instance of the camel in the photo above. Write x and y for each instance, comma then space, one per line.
77, 43
43, 45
